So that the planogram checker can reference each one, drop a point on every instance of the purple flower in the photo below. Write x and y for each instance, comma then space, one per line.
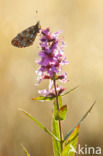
51, 61
51, 92
51, 55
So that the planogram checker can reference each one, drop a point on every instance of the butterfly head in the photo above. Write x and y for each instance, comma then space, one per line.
38, 26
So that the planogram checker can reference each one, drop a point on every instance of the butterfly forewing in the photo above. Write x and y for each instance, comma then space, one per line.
26, 37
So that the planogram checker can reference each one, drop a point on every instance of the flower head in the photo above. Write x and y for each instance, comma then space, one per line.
51, 92
51, 56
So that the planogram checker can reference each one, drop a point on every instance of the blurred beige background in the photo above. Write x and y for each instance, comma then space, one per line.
82, 25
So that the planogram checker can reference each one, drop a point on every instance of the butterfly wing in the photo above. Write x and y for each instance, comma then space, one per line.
26, 37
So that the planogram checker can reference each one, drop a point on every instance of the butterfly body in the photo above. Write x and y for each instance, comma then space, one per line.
26, 37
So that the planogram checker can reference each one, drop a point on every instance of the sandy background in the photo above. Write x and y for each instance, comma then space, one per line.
82, 25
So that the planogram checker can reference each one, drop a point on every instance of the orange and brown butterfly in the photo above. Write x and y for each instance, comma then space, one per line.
27, 36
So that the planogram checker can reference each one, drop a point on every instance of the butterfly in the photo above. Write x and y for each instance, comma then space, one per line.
26, 37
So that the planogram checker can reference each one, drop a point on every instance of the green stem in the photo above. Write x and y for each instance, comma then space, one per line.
60, 126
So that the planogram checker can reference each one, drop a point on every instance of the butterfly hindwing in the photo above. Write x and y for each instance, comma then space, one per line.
26, 37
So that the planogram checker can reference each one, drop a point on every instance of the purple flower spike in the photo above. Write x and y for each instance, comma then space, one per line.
51, 55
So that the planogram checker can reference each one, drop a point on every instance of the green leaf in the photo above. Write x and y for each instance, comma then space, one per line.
71, 144
25, 150
61, 113
39, 124
43, 98
55, 127
70, 91
79, 122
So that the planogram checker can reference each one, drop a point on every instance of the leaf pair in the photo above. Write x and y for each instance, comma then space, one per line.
44, 98
70, 139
